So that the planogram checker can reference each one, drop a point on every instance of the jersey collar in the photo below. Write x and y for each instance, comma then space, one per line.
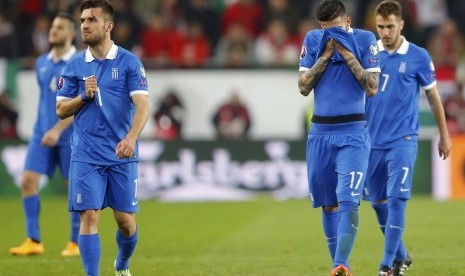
402, 49
69, 54
110, 55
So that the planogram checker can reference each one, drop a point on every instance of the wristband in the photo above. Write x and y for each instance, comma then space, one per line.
84, 97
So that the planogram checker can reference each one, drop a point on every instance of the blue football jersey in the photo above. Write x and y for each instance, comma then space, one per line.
48, 74
338, 92
392, 114
103, 122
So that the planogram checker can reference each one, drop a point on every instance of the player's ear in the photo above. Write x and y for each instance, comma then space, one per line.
401, 25
349, 21
110, 26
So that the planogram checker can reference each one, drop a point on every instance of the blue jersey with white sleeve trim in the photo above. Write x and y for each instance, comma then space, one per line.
392, 114
103, 122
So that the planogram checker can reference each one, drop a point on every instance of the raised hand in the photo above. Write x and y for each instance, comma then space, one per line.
329, 49
91, 86
346, 54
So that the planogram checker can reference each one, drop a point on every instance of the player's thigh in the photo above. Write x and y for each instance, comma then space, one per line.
376, 180
64, 159
401, 163
40, 159
322, 177
351, 165
87, 186
122, 188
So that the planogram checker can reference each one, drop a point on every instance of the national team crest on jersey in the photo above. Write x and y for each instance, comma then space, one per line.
303, 51
402, 67
61, 81
374, 50
114, 73
142, 72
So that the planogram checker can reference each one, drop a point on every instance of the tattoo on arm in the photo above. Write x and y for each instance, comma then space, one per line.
371, 83
368, 80
309, 79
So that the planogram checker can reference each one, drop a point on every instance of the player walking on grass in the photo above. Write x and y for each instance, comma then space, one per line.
393, 125
49, 146
105, 88
339, 64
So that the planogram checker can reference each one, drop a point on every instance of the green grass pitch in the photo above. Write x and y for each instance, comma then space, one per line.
262, 237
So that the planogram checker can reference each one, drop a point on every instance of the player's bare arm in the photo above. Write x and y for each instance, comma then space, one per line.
51, 137
309, 79
67, 108
368, 80
125, 147
434, 100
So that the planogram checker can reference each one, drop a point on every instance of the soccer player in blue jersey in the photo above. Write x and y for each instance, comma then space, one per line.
49, 146
105, 88
341, 66
393, 125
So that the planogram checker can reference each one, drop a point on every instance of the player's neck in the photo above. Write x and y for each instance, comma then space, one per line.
101, 50
60, 51
396, 45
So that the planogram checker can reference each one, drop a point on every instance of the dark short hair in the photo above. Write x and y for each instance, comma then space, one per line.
66, 16
388, 7
106, 7
330, 9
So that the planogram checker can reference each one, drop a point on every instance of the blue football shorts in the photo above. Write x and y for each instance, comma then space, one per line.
390, 173
43, 160
95, 187
337, 160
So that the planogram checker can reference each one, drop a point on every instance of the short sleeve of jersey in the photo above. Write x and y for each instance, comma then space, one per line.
308, 51
137, 79
370, 59
68, 86
426, 75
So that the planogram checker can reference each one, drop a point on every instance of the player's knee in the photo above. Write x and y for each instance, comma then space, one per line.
348, 206
126, 223
89, 221
29, 185
396, 203
330, 208
349, 211
379, 202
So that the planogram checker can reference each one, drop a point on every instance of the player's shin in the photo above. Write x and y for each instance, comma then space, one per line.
126, 247
330, 223
381, 210
347, 231
89, 246
394, 229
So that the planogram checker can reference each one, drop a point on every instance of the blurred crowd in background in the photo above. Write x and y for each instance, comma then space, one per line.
242, 34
